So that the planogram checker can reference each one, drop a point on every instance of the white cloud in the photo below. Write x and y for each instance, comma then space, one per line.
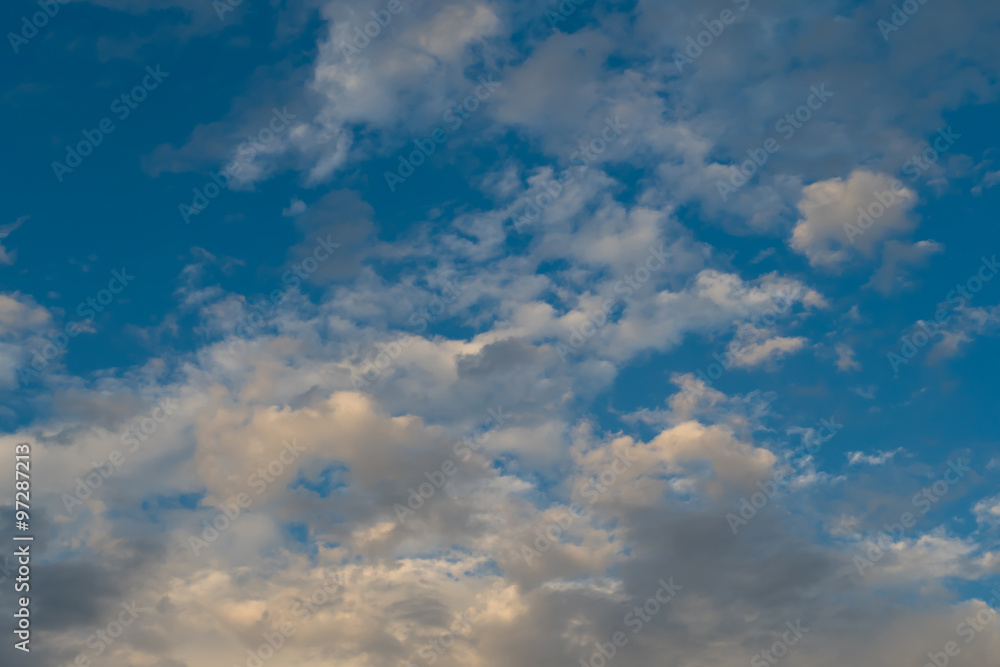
8, 257
830, 209
295, 207
988, 511
845, 358
989, 180
965, 326
876, 459
865, 392
891, 276
754, 347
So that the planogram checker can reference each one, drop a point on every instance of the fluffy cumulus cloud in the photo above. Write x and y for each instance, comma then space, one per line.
856, 212
467, 361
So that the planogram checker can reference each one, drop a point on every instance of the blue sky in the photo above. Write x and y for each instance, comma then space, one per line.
692, 287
